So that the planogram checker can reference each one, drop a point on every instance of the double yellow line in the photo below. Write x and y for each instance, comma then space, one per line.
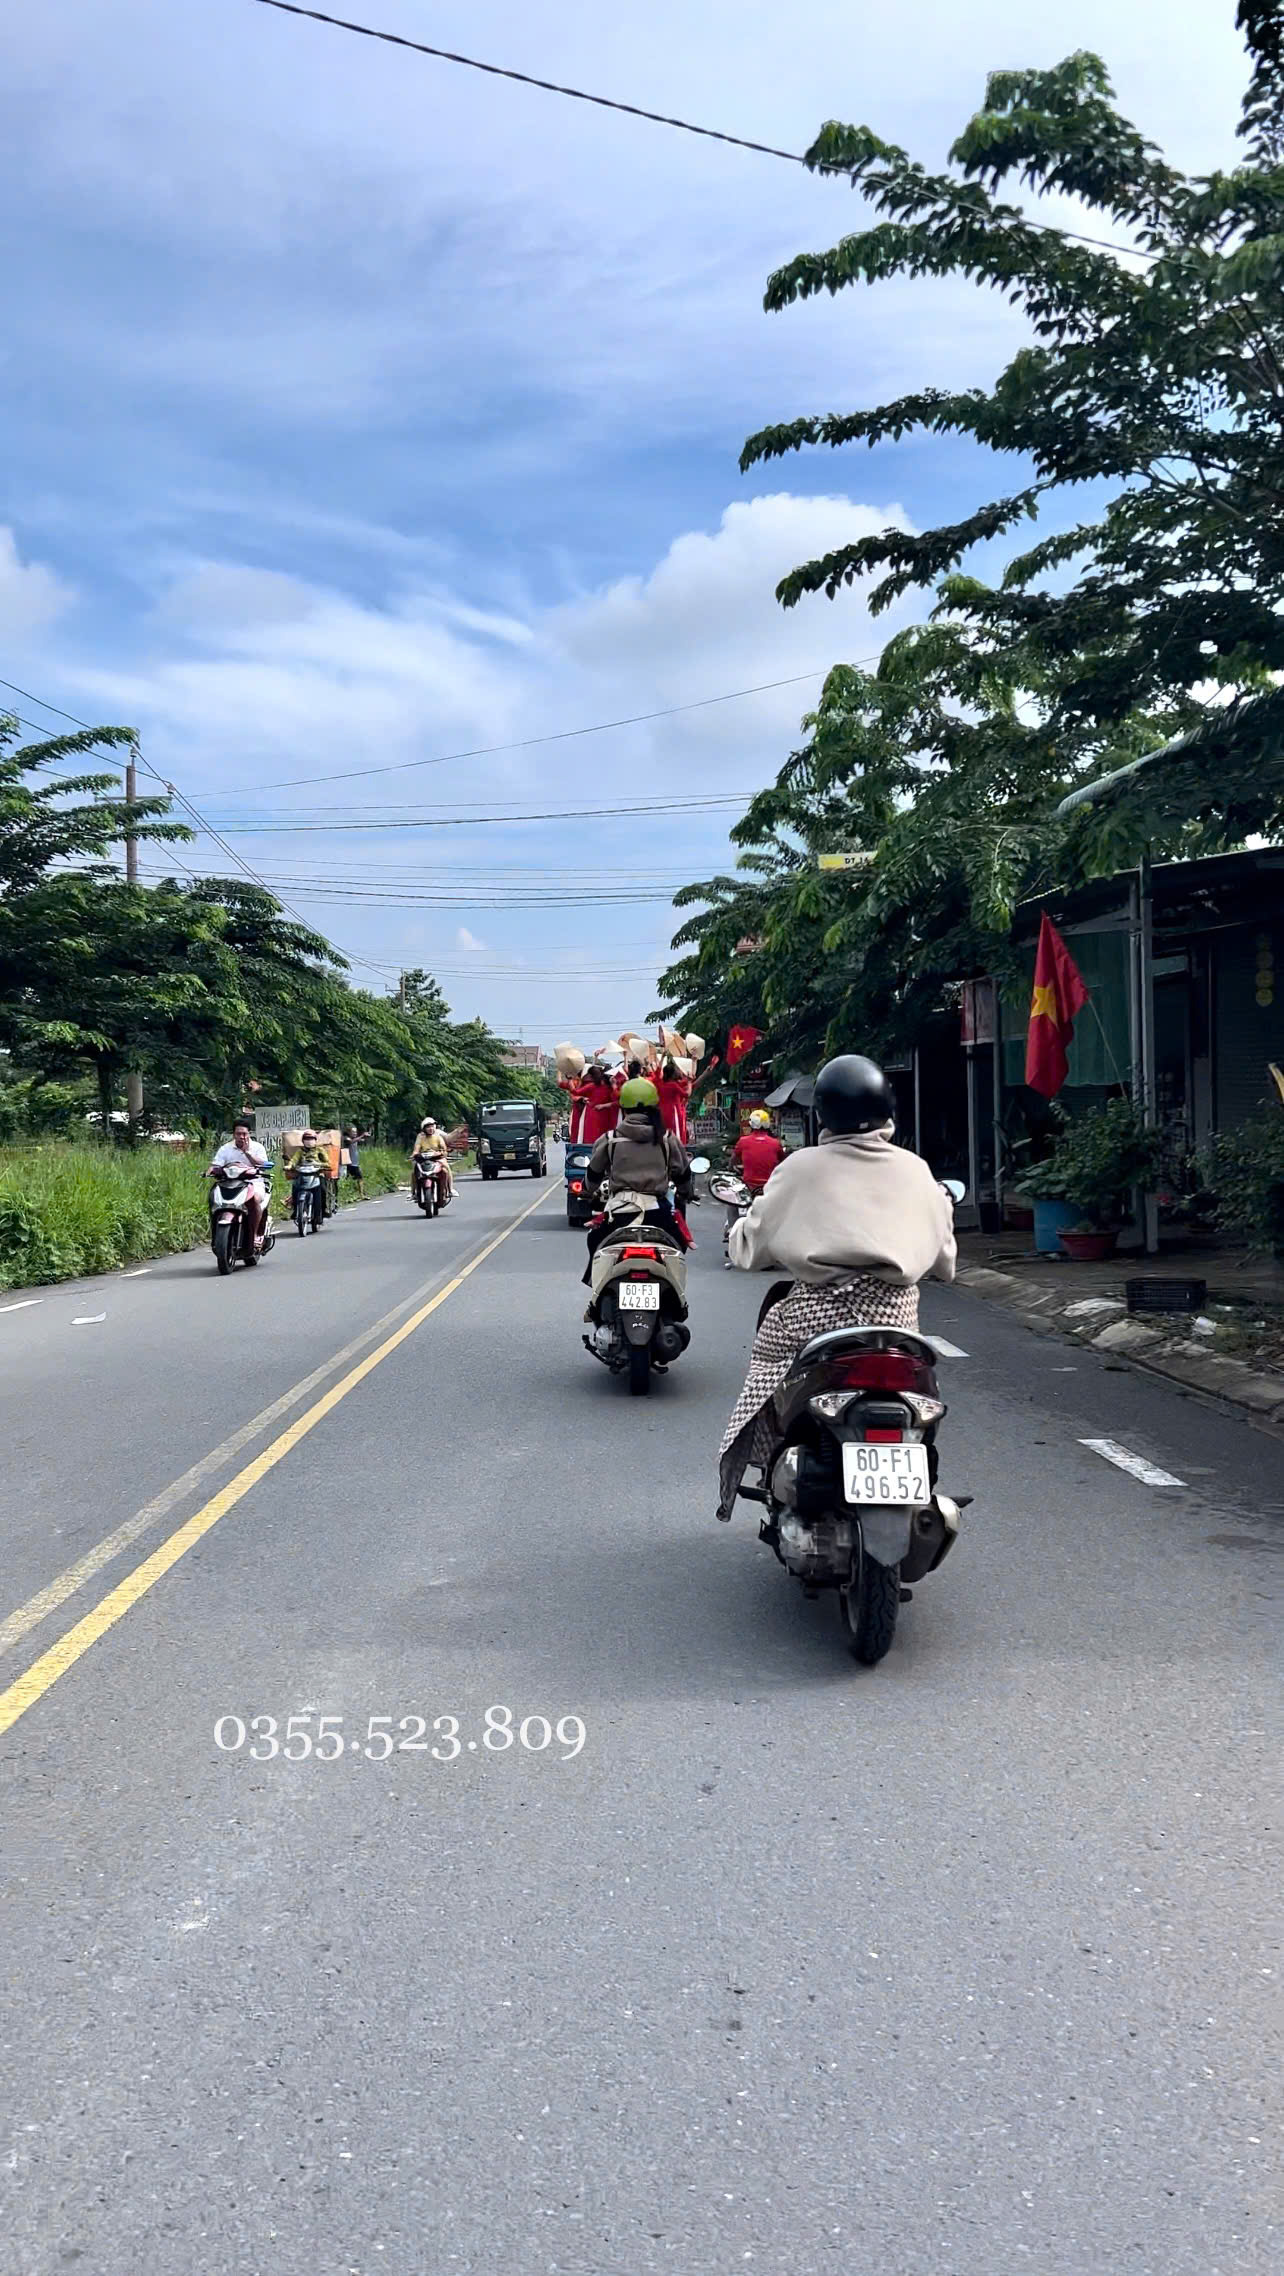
71, 1646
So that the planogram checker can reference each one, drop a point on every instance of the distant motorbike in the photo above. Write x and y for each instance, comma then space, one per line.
230, 1219
579, 1208
850, 1492
638, 1301
734, 1194
429, 1187
307, 1198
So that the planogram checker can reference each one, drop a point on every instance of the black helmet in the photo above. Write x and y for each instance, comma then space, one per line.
852, 1095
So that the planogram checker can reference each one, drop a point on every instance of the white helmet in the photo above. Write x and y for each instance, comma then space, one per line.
427, 1123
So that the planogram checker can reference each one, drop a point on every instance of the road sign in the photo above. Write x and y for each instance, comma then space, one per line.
857, 860
271, 1122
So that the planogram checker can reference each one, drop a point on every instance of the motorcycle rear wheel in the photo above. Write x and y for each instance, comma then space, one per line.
868, 1611
223, 1248
639, 1370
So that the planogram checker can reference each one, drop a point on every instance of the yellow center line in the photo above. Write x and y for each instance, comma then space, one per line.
44, 1672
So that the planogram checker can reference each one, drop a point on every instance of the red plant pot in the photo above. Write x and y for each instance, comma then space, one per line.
1089, 1248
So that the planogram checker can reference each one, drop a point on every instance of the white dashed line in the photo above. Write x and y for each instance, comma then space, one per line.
1135, 1464
139, 1272
944, 1349
88, 1319
24, 1304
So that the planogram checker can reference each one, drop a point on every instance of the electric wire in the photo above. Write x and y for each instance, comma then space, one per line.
633, 110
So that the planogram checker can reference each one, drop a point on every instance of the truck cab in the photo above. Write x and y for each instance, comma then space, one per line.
511, 1135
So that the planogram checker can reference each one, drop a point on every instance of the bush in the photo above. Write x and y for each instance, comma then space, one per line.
1096, 1161
1246, 1175
383, 1169
68, 1210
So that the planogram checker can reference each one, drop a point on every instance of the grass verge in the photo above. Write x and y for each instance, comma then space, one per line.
70, 1211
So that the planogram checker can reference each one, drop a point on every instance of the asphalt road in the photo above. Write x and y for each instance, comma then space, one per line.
964, 1964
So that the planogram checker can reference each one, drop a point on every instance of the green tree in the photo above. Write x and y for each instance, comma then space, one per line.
1155, 379
46, 821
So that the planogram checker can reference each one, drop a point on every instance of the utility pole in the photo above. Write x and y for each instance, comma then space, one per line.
402, 991
133, 1082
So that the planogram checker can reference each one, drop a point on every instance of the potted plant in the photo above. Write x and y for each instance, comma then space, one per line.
1097, 1161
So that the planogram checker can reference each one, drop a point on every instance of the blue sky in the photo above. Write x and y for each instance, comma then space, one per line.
361, 409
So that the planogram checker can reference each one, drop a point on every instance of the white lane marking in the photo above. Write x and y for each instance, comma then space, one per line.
24, 1304
1135, 1464
944, 1349
139, 1272
88, 1319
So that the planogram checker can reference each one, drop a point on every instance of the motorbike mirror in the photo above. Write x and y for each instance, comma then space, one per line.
955, 1190
699, 1164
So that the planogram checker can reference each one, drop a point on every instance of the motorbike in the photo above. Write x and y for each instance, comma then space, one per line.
429, 1184
638, 1299
308, 1199
734, 1194
579, 1208
850, 1484
230, 1222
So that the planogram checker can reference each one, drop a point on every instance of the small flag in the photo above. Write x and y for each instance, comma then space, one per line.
1059, 995
740, 1043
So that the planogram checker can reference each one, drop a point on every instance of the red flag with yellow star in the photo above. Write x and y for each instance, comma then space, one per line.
740, 1043
1059, 996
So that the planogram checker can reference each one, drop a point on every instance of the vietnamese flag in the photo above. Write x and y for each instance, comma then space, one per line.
740, 1043
1059, 995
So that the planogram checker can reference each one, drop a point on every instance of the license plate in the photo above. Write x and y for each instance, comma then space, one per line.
886, 1474
639, 1295
510, 1157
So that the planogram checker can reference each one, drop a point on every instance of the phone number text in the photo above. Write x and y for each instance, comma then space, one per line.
323, 1738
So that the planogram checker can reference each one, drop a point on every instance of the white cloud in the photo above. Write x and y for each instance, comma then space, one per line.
32, 597
466, 940
257, 677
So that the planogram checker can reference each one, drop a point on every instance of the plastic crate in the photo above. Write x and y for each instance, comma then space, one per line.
1166, 1295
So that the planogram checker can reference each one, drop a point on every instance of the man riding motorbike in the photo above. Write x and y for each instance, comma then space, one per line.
758, 1152
245, 1153
856, 1222
430, 1155
639, 1156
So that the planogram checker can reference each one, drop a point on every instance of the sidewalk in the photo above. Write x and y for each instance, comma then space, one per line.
1233, 1350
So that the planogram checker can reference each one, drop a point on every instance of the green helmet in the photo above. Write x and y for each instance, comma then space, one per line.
639, 1092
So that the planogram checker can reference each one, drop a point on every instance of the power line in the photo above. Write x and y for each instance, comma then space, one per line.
563, 734
198, 817
524, 79
632, 110
691, 806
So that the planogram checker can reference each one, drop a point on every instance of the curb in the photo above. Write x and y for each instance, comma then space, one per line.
1103, 1323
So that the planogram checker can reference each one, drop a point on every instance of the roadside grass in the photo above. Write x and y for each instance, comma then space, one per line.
67, 1212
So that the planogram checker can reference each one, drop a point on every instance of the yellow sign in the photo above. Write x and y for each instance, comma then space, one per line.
843, 860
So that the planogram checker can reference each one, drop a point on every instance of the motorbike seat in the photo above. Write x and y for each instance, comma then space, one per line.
835, 1340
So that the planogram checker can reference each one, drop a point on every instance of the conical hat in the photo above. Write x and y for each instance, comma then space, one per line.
568, 1059
695, 1046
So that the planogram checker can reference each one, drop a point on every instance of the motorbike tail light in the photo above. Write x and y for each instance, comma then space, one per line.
652, 1253
577, 1185
881, 1371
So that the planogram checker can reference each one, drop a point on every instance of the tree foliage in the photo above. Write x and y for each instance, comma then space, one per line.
1152, 383
208, 988
1153, 378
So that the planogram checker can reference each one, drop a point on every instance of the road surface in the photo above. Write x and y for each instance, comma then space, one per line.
962, 1965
